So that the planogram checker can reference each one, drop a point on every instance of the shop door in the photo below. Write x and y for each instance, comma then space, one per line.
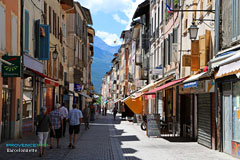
227, 124
6, 114
204, 120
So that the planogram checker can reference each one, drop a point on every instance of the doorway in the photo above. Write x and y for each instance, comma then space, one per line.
227, 123
6, 114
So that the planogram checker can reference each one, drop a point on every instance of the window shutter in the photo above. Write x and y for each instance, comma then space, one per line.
44, 44
37, 38
26, 46
175, 35
195, 55
3, 31
14, 36
45, 13
170, 48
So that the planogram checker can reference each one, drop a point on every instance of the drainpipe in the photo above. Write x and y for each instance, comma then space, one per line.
22, 68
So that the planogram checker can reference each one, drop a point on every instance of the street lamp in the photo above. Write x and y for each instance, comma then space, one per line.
55, 52
193, 31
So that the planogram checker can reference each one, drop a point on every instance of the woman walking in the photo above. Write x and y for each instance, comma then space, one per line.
43, 124
86, 116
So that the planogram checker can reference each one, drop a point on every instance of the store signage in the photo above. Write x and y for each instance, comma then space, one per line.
78, 87
153, 125
13, 70
190, 84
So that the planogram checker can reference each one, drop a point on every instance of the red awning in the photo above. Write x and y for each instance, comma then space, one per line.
47, 79
153, 91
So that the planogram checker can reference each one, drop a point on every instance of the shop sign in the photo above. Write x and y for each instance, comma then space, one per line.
11, 70
153, 125
190, 84
78, 87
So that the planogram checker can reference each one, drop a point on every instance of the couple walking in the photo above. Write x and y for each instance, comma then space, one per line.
55, 122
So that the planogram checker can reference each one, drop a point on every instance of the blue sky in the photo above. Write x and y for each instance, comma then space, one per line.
111, 17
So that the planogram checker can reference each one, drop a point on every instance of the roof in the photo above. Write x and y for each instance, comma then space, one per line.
142, 9
88, 15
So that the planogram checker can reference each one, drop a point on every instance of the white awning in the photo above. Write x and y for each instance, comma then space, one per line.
231, 59
215, 61
195, 77
26, 98
75, 94
83, 94
229, 69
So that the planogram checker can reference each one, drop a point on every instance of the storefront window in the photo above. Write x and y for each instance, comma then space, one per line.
236, 111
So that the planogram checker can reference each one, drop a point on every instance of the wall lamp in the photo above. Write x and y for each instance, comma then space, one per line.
55, 52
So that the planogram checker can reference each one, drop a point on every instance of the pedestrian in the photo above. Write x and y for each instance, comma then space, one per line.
92, 109
43, 124
57, 121
75, 118
86, 116
115, 112
63, 110
105, 111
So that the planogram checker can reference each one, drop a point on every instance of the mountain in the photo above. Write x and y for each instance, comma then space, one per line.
103, 55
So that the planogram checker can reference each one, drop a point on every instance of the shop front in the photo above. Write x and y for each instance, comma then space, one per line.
197, 105
165, 104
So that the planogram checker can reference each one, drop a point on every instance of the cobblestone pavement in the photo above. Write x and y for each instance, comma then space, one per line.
116, 140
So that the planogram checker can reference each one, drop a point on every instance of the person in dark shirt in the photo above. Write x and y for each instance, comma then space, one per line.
43, 124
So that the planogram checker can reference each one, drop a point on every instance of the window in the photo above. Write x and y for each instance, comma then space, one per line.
26, 32
236, 21
2, 26
14, 36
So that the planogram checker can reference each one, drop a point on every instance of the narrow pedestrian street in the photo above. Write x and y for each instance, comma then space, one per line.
117, 140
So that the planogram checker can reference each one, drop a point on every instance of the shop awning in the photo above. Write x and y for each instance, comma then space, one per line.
75, 94
51, 82
165, 86
195, 77
150, 86
83, 94
135, 104
229, 69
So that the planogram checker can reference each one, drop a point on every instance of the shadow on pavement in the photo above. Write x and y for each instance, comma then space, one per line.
178, 139
131, 158
129, 150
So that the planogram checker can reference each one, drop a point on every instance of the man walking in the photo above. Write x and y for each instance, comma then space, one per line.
63, 110
75, 118
57, 121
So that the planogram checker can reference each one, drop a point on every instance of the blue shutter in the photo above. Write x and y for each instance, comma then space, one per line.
44, 43
37, 38
26, 45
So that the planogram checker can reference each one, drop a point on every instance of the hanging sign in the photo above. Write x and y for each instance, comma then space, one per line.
13, 70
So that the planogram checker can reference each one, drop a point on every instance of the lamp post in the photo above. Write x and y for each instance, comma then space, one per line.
193, 31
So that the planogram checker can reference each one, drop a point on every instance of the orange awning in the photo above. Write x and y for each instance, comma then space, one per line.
136, 105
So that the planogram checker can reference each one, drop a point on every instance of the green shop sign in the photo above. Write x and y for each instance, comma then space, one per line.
13, 70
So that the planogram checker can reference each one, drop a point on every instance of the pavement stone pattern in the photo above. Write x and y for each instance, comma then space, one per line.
116, 140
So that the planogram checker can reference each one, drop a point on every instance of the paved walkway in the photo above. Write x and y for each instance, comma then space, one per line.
117, 140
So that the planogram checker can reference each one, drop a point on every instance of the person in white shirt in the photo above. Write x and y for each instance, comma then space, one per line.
75, 118
63, 110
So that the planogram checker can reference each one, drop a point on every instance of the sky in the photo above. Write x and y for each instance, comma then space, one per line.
111, 17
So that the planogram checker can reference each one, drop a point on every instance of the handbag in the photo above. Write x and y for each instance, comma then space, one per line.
39, 124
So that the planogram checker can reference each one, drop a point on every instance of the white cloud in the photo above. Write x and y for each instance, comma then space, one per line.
118, 19
109, 38
126, 7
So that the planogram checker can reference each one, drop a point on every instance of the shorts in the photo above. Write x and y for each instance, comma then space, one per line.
58, 133
42, 138
74, 129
